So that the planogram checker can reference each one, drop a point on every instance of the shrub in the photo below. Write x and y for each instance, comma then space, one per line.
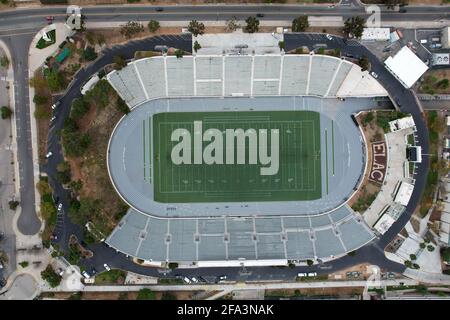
179, 53
119, 62
145, 294
122, 106
39, 99
309, 262
52, 278
197, 46
13, 204
5, 112
412, 257
79, 108
430, 248
89, 54
4, 62
153, 25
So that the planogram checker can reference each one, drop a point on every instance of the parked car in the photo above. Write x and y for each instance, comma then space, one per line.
194, 279
60, 272
260, 15
107, 268
93, 271
1, 265
86, 275
302, 274
329, 37
59, 207
312, 274
159, 9
52, 118
374, 75
187, 280
55, 105
222, 278
48, 155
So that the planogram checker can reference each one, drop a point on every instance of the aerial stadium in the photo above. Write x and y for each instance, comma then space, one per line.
231, 159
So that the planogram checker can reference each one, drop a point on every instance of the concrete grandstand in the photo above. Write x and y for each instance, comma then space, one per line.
253, 233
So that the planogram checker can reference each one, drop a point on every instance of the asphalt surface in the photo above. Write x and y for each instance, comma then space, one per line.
28, 223
372, 253
18, 20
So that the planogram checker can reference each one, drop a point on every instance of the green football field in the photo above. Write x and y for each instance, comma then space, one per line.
298, 177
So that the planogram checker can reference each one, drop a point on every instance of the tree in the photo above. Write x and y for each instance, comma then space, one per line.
179, 53
197, 46
100, 94
5, 112
232, 25
309, 262
122, 106
55, 80
364, 63
51, 276
390, 4
281, 45
76, 185
412, 256
354, 26
4, 61
40, 99
153, 26
89, 54
47, 210
131, 28
63, 173
79, 108
196, 28
300, 24
13, 204
119, 62
252, 25
145, 294
88, 207
430, 248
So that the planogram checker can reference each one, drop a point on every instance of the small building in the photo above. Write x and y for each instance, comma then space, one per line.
376, 34
445, 38
414, 154
388, 217
402, 123
404, 193
440, 59
406, 66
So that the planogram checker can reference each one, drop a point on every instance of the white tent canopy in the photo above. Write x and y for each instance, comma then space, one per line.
406, 67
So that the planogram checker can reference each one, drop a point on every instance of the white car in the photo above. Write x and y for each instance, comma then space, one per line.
301, 275
194, 279
59, 207
187, 280
374, 75
60, 272
86, 275
108, 268
329, 37
53, 119
56, 104
48, 155
312, 274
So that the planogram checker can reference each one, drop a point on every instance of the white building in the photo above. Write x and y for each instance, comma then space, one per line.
404, 193
406, 67
376, 34
402, 123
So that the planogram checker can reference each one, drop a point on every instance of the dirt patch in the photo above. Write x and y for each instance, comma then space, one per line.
333, 292
367, 190
436, 82
91, 169
179, 295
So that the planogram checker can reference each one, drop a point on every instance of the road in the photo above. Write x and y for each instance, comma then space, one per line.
19, 20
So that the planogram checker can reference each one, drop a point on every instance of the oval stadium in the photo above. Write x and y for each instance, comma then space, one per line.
212, 204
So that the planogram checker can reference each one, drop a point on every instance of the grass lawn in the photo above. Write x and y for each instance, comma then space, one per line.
110, 277
44, 44
298, 177
436, 82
